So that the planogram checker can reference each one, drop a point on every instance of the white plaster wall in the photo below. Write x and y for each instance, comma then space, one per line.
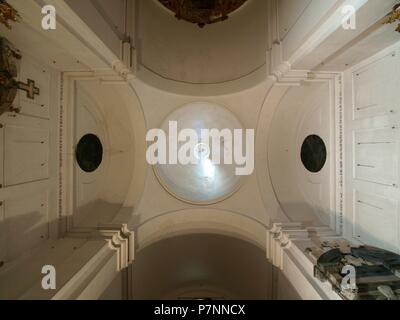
111, 112
115, 290
156, 201
298, 19
303, 111
220, 52
289, 11
372, 103
28, 163
344, 48
105, 17
280, 189
179, 267
165, 43
284, 289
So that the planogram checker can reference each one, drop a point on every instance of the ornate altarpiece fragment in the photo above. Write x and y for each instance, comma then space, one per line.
202, 12
377, 271
7, 13
9, 57
394, 16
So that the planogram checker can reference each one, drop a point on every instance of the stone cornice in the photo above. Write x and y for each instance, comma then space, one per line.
288, 249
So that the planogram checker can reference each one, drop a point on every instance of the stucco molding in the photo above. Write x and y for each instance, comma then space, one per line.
285, 253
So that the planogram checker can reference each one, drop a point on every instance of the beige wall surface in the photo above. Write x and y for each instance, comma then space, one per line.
182, 51
182, 266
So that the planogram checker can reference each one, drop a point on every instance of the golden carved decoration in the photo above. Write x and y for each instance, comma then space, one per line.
7, 12
394, 16
202, 12
9, 57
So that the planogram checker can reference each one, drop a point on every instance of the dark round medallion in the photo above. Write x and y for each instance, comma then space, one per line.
89, 153
313, 153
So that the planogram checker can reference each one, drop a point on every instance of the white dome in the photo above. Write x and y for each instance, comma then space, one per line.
204, 182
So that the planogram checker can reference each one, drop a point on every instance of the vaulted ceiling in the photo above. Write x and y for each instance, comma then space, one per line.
179, 50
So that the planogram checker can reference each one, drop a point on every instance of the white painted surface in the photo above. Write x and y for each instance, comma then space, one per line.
29, 165
372, 102
179, 266
157, 105
26, 223
115, 289
115, 191
312, 17
60, 48
289, 11
99, 196
303, 111
26, 155
344, 48
105, 18
40, 105
205, 182
182, 51
284, 288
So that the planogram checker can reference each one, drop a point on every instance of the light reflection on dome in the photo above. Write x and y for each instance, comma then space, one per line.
204, 182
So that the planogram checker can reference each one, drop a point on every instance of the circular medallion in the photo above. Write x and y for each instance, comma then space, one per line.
89, 153
192, 172
313, 153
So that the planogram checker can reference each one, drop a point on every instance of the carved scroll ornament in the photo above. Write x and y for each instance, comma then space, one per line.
8, 13
394, 17
202, 12
8, 72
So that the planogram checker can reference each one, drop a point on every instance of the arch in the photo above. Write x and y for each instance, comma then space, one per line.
200, 221
136, 116
267, 112
207, 266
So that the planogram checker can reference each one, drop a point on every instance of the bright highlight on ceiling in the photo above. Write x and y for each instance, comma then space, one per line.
204, 182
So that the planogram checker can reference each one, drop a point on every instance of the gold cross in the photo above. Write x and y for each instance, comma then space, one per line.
29, 88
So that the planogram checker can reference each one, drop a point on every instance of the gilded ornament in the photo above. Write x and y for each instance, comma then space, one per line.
394, 17
8, 13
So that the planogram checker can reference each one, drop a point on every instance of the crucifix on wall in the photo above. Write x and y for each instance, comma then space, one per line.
30, 88
9, 85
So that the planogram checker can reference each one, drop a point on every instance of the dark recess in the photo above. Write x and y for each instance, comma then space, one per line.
89, 153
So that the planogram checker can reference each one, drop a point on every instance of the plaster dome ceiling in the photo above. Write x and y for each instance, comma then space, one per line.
202, 12
201, 183
181, 51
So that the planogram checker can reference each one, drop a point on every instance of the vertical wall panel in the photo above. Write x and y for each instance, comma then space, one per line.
26, 155
376, 156
2, 233
372, 150
374, 88
24, 163
376, 220
26, 223
40, 105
